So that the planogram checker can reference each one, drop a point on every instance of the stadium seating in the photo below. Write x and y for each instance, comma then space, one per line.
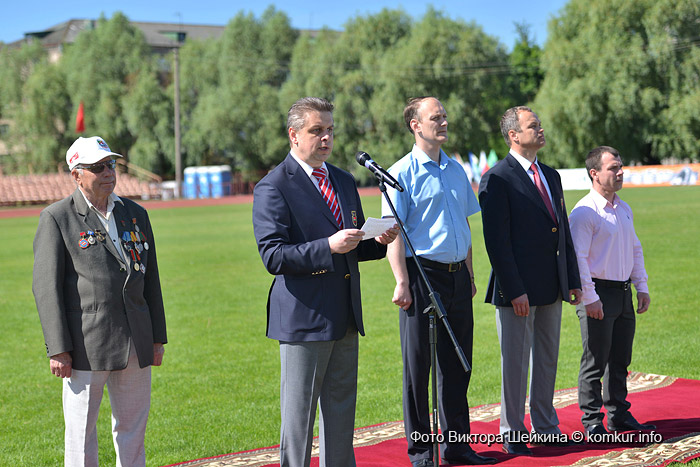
47, 188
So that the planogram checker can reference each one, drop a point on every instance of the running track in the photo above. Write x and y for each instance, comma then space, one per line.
158, 204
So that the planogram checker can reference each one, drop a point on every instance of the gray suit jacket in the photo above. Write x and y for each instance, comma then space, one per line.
91, 303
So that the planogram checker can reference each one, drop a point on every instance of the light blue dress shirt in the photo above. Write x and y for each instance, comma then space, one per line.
434, 206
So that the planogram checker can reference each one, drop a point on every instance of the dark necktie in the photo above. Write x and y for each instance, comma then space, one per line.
543, 192
328, 194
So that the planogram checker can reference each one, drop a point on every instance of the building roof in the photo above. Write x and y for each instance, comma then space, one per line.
158, 35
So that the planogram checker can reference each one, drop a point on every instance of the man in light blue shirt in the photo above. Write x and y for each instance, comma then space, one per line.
434, 207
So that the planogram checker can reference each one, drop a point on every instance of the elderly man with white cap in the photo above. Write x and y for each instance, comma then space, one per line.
98, 295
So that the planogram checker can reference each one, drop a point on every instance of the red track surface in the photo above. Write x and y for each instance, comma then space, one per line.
158, 204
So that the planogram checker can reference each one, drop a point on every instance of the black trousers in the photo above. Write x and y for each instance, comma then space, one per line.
455, 293
607, 352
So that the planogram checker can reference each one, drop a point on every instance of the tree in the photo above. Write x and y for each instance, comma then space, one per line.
101, 68
526, 73
459, 64
379, 61
111, 69
345, 68
41, 124
237, 111
199, 79
622, 74
16, 65
148, 112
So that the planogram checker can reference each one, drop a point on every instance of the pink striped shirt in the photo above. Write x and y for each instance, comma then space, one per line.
606, 244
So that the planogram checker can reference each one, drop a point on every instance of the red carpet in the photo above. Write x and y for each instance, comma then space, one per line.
672, 404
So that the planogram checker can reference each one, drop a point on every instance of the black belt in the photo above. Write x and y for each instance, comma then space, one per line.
449, 267
624, 285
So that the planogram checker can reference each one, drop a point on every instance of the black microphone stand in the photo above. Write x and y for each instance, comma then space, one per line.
435, 309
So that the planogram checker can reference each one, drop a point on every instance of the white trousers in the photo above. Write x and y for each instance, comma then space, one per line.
130, 396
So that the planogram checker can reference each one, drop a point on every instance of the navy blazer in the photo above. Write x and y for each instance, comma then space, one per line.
529, 252
314, 293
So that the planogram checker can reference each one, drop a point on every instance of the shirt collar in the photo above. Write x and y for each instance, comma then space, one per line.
601, 202
423, 158
526, 164
307, 168
110, 201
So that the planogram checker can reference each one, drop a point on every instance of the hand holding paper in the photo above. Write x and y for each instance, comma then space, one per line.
374, 227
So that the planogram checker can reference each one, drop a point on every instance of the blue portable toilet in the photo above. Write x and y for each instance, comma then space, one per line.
203, 185
190, 189
220, 180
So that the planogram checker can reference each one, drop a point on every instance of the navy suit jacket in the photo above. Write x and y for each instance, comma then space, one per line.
315, 294
529, 253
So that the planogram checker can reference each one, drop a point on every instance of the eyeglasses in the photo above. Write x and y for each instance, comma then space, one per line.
100, 166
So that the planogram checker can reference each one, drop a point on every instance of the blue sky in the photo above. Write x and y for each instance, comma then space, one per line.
496, 17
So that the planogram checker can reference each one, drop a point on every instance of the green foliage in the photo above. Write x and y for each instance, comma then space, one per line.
451, 60
16, 65
103, 68
148, 112
236, 117
110, 68
33, 98
623, 74
526, 73
380, 61
42, 121
613, 72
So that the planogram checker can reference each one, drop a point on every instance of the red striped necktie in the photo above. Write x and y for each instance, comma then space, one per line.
328, 194
543, 192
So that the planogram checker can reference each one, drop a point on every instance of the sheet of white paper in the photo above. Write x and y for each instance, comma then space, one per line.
374, 227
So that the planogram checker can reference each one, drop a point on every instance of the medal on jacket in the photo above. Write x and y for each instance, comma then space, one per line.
91, 237
354, 217
83, 242
139, 237
100, 236
143, 238
133, 254
126, 242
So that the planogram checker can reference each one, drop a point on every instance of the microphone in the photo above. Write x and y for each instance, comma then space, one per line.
365, 160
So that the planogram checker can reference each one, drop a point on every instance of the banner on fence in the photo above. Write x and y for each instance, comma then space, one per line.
636, 176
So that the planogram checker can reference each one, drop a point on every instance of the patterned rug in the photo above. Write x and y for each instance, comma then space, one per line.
670, 403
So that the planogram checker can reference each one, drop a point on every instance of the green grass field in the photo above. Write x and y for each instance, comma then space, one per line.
218, 389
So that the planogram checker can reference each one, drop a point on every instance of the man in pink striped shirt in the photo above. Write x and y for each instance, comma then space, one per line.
610, 258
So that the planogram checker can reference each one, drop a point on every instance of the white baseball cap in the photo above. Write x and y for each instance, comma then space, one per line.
88, 151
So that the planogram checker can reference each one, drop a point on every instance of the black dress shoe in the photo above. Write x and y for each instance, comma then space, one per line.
556, 444
596, 429
516, 448
552, 440
629, 424
470, 458
423, 463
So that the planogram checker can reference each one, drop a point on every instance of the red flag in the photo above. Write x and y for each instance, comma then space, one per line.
80, 119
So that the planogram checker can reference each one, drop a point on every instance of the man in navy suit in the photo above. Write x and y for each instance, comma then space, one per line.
306, 215
534, 267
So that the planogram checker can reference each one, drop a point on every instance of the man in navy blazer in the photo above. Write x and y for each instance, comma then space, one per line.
534, 267
306, 215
